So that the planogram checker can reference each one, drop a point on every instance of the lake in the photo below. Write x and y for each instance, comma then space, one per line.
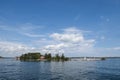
11, 69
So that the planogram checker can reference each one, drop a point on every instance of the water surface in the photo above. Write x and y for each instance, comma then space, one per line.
10, 69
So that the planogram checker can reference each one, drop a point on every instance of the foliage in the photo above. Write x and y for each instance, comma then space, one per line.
48, 56
37, 56
62, 57
30, 56
103, 58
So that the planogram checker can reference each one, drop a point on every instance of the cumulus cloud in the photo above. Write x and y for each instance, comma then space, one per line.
8, 48
68, 37
71, 40
58, 46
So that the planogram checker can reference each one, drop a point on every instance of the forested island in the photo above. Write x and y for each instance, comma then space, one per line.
39, 57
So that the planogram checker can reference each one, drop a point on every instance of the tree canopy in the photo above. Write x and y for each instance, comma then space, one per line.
37, 57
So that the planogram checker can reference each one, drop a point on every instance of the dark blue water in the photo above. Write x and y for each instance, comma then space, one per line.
11, 69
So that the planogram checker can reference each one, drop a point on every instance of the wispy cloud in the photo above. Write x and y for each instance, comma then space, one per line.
33, 35
24, 29
114, 48
77, 18
102, 37
104, 18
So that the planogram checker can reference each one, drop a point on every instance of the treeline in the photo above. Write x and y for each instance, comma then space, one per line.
39, 57
60, 58
30, 56
0, 56
57, 57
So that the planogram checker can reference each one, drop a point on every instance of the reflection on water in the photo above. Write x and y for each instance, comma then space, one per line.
11, 69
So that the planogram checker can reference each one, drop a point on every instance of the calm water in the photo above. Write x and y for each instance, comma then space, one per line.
11, 69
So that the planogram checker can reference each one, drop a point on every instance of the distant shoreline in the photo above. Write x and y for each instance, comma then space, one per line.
68, 57
71, 57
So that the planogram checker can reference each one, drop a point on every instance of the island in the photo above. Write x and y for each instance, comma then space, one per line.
1, 57
36, 56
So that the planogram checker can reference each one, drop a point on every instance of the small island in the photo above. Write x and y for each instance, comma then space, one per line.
36, 56
1, 57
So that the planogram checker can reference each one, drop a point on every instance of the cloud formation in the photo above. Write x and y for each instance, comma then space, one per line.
24, 29
9, 48
71, 40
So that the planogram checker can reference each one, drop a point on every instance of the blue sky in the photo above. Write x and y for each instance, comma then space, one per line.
72, 27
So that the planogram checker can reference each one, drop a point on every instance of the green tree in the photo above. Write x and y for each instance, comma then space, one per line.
103, 58
46, 56
62, 57
57, 57
49, 55
30, 56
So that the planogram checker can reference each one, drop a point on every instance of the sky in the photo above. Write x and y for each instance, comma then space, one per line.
73, 27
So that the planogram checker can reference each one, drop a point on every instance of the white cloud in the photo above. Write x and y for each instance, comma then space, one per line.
107, 19
71, 40
27, 29
13, 49
71, 35
32, 35
102, 37
68, 37
57, 46
116, 48
71, 29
